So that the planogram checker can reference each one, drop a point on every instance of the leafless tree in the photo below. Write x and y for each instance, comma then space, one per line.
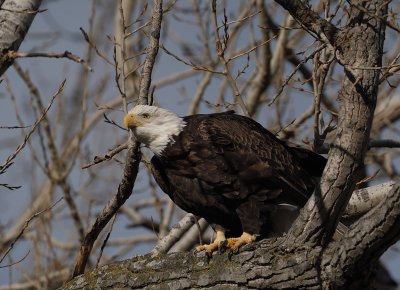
318, 73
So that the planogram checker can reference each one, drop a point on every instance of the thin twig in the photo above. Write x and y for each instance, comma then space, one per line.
384, 143
10, 158
307, 58
10, 187
107, 156
112, 122
16, 262
221, 46
24, 11
66, 54
241, 19
106, 240
25, 227
251, 49
122, 57
93, 45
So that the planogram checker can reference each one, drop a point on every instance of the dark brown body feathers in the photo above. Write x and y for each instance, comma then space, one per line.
233, 172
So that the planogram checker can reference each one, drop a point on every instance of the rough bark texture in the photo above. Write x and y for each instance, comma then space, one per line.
262, 265
16, 17
358, 45
346, 264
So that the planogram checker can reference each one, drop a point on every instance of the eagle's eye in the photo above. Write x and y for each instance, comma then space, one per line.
146, 116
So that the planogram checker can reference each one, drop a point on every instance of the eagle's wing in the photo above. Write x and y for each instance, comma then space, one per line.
229, 148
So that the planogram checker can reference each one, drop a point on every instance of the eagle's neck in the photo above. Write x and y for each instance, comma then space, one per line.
158, 136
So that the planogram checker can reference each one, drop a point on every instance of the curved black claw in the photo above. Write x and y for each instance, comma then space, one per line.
222, 246
230, 254
199, 254
195, 252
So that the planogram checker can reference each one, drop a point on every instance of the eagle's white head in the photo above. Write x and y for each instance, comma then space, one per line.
153, 126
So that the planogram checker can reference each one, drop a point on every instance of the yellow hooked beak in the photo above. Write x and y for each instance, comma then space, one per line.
132, 120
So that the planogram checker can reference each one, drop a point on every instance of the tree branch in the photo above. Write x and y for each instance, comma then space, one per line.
318, 219
11, 55
8, 162
133, 156
265, 264
310, 20
174, 235
124, 191
152, 51
365, 199
370, 236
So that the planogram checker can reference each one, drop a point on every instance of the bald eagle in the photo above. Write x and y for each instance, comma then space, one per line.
227, 169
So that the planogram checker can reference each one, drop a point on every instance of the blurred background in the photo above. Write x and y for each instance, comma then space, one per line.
273, 63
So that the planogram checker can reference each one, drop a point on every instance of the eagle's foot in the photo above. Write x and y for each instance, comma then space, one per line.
218, 244
235, 243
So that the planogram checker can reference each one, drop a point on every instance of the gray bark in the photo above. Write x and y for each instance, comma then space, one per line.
16, 17
363, 200
358, 45
344, 264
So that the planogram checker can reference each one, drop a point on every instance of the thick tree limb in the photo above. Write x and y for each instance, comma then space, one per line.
262, 265
368, 238
360, 45
265, 264
365, 199
310, 20
377, 230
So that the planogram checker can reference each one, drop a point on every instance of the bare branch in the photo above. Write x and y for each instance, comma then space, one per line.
25, 227
66, 54
10, 158
93, 45
174, 235
221, 46
307, 58
365, 199
152, 50
124, 191
310, 20
133, 155
107, 156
